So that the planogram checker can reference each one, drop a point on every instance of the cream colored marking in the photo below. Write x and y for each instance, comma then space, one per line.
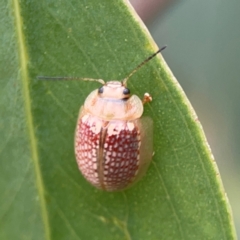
105, 145
90, 121
97, 128
114, 129
89, 163
107, 159
84, 118
95, 166
111, 130
130, 126
94, 153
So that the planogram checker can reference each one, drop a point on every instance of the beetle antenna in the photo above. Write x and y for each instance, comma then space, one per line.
70, 78
141, 64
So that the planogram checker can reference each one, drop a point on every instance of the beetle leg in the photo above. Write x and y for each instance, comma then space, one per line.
146, 98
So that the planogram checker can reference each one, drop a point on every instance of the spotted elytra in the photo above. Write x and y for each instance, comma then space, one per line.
113, 142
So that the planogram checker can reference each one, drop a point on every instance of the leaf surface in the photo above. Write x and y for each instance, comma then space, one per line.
43, 194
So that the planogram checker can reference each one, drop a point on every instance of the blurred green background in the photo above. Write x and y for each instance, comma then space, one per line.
203, 39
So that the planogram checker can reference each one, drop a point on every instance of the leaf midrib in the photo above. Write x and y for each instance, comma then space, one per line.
23, 60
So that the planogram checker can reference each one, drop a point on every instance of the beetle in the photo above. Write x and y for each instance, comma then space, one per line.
113, 142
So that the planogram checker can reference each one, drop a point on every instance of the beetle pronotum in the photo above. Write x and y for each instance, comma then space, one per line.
113, 142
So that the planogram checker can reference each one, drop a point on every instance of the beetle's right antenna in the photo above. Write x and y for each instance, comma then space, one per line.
70, 78
141, 64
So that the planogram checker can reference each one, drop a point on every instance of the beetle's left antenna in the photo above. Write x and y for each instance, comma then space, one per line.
71, 78
141, 64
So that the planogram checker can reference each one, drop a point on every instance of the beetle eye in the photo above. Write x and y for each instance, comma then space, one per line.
100, 90
126, 91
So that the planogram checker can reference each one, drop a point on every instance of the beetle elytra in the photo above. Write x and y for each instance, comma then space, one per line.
113, 142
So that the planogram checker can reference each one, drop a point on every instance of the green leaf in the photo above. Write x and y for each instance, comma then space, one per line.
43, 195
